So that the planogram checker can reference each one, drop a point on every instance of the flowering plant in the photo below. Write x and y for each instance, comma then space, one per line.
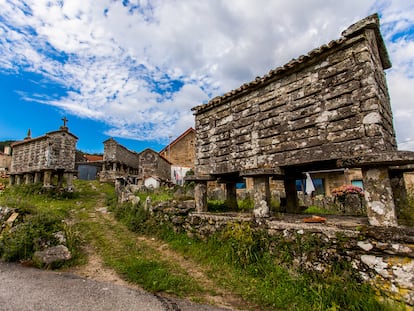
343, 190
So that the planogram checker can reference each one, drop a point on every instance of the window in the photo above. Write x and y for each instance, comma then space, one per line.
358, 183
241, 185
319, 184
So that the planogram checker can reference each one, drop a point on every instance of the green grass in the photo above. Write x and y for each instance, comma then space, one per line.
137, 262
318, 210
236, 259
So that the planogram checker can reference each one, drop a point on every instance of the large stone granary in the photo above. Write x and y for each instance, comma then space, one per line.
328, 109
40, 159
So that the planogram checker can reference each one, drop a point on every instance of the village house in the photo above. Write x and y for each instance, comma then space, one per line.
42, 158
5, 160
154, 170
181, 153
324, 111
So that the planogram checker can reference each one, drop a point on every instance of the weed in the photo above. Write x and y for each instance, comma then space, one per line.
318, 210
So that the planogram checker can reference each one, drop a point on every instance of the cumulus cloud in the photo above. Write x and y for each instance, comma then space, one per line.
140, 65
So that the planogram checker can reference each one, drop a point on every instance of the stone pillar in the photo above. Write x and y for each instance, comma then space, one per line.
12, 180
47, 179
18, 179
200, 196
231, 196
292, 201
28, 179
60, 180
114, 166
399, 190
69, 181
261, 188
379, 197
37, 177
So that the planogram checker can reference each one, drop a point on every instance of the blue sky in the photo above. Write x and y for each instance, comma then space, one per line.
132, 70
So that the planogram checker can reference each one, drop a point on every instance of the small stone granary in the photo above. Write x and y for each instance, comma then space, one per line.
40, 159
326, 110
120, 162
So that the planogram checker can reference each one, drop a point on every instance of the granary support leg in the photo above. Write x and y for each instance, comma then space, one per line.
200, 196
28, 179
37, 177
261, 188
292, 201
379, 197
399, 190
231, 196
47, 179
18, 179
12, 180
69, 181
60, 180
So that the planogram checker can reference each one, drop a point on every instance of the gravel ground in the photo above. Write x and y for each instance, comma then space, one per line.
24, 289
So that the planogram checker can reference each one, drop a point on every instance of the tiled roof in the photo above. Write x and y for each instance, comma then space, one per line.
93, 158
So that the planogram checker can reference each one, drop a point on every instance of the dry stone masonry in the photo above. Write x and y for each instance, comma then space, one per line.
39, 159
120, 162
326, 110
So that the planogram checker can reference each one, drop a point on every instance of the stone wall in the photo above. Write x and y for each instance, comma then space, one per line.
383, 257
328, 104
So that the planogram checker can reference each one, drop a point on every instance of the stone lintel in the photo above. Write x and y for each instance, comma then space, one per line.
402, 168
256, 172
393, 158
199, 178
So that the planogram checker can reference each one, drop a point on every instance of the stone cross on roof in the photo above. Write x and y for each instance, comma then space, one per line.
64, 127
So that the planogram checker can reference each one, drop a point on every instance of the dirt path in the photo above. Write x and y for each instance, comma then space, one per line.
96, 270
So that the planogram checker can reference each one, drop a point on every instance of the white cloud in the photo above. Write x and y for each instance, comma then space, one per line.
120, 63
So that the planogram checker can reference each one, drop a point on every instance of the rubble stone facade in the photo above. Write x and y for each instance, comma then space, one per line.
152, 164
328, 109
40, 159
120, 162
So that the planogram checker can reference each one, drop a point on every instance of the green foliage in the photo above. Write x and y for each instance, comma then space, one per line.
318, 210
245, 204
44, 213
156, 195
220, 206
35, 233
216, 206
244, 245
133, 216
259, 276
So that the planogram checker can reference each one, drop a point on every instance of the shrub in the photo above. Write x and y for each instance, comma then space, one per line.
35, 233
342, 191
